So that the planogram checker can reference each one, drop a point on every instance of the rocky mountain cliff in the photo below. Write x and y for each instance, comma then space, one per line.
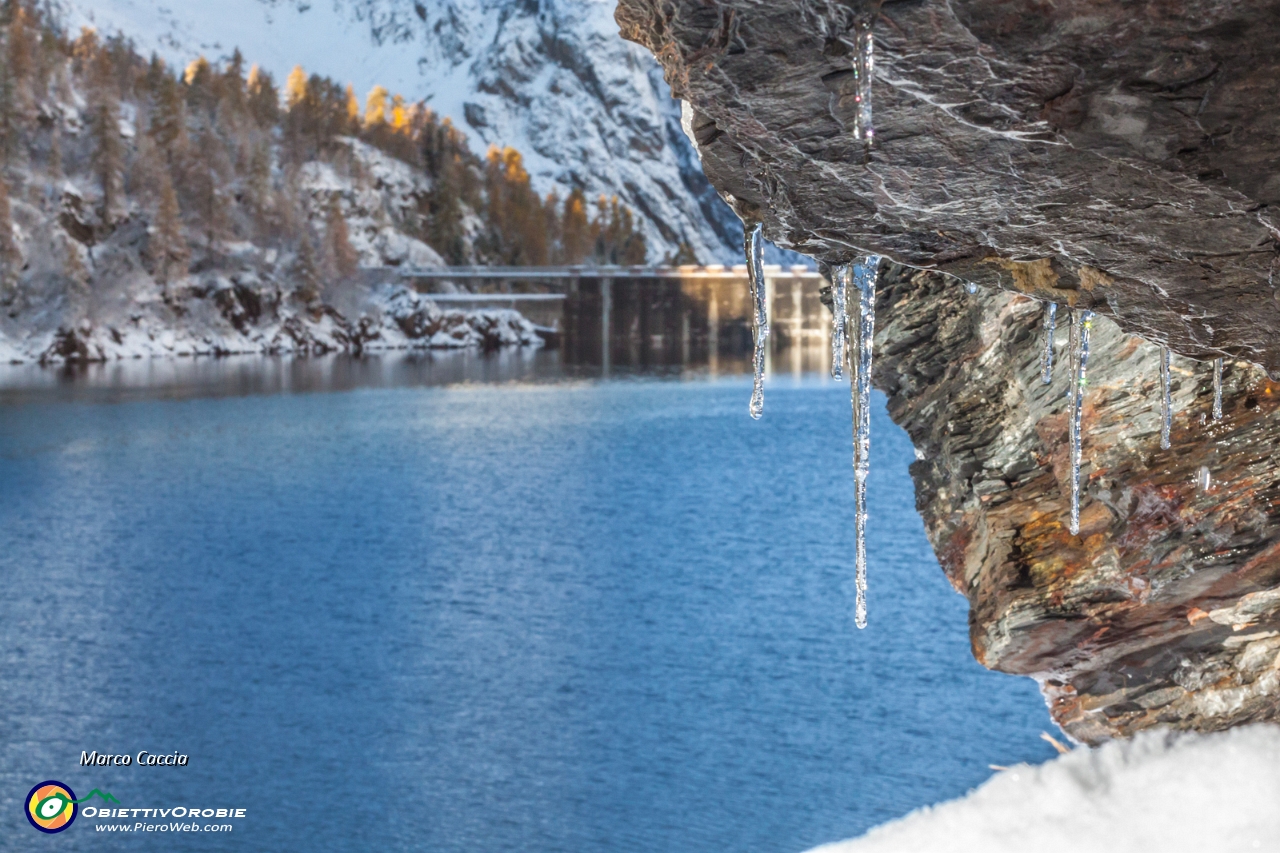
145, 212
1118, 158
550, 78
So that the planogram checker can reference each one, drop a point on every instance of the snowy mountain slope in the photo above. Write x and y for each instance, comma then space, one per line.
549, 77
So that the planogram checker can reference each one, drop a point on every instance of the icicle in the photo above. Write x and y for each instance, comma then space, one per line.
1217, 389
1082, 321
1206, 479
1166, 403
839, 309
1046, 360
864, 276
760, 316
863, 70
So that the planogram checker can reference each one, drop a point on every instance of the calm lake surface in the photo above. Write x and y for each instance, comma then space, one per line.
467, 602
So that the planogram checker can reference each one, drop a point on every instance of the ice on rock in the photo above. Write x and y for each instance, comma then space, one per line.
1046, 359
839, 318
1081, 323
970, 287
863, 70
864, 277
1217, 389
1166, 403
754, 246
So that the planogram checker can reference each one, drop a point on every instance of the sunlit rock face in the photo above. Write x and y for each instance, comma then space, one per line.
1106, 156
1165, 609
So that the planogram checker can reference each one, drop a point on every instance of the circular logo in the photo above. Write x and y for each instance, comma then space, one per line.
51, 806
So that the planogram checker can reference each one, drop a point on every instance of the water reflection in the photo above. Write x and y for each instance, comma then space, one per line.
690, 329
642, 324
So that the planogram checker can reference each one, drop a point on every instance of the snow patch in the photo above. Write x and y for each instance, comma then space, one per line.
1159, 791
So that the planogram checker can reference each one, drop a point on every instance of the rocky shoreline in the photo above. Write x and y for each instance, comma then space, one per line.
231, 318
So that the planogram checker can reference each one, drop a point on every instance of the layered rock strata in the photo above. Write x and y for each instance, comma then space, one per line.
1110, 157
1165, 609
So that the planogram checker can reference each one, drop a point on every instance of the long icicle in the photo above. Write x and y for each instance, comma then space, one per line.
1046, 359
760, 314
864, 276
839, 318
1166, 402
1217, 389
1082, 322
863, 71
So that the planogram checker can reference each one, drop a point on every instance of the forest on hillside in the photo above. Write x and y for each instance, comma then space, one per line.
102, 142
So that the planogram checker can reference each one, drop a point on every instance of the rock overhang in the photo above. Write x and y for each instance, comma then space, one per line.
1104, 156
1099, 155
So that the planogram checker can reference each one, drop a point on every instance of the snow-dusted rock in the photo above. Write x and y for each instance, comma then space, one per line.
245, 315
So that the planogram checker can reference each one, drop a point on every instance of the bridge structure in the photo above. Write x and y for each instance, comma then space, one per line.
639, 314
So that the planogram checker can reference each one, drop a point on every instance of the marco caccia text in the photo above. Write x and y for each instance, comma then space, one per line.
142, 759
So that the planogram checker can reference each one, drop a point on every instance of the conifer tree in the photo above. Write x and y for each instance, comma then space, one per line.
108, 153
340, 257
295, 87
353, 110
399, 118
575, 231
306, 270
258, 185
551, 227
230, 89
683, 255
9, 121
8, 249
85, 48
73, 268
207, 180
170, 251
20, 53
264, 100
198, 88
144, 174
376, 107
168, 118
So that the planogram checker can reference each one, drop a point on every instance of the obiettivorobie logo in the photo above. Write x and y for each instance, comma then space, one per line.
52, 806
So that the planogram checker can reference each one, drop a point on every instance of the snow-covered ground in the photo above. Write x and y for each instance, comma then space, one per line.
553, 79
228, 319
1159, 792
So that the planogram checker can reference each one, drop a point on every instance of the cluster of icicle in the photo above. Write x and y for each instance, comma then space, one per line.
851, 344
1078, 355
857, 350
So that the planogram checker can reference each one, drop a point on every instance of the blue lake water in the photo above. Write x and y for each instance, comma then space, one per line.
403, 611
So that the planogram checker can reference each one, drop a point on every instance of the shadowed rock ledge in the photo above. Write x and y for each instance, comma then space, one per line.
1116, 157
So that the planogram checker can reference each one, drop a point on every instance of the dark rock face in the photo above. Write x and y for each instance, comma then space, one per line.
1108, 155
1117, 157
